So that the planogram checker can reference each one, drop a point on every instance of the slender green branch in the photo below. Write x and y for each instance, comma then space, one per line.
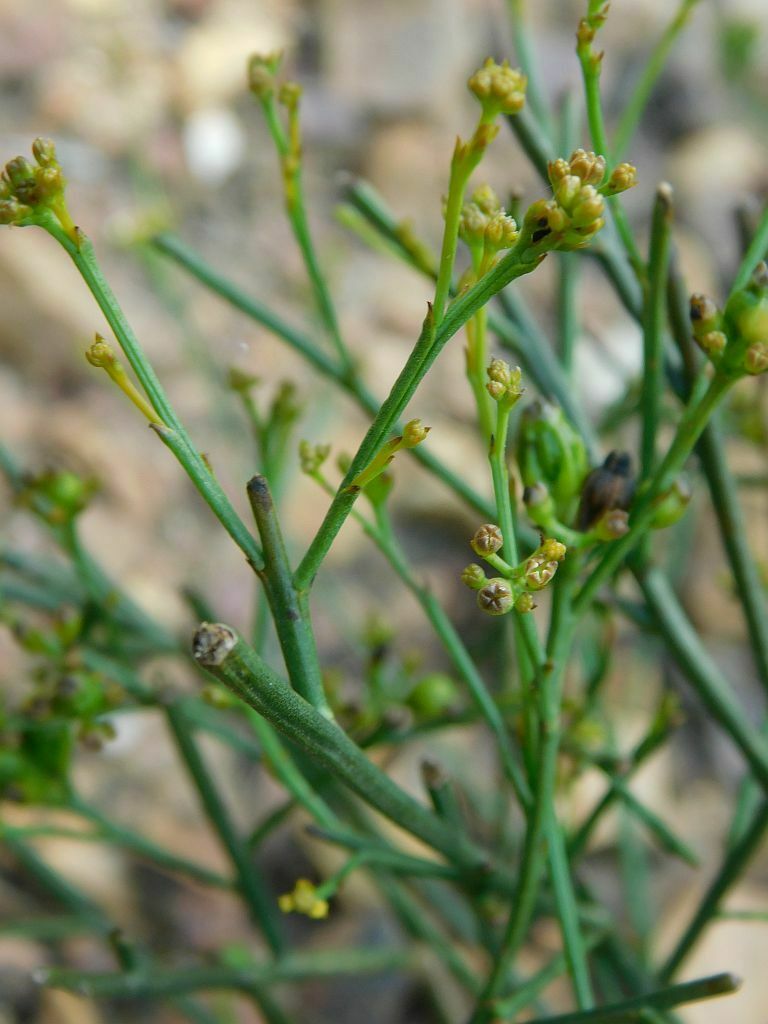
232, 662
432, 340
154, 983
139, 844
712, 689
730, 871
663, 999
347, 379
638, 101
758, 250
654, 326
174, 433
251, 885
518, 17
692, 423
291, 619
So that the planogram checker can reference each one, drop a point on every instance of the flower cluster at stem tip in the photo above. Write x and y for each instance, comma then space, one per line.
735, 339
516, 585
575, 213
304, 899
33, 193
486, 228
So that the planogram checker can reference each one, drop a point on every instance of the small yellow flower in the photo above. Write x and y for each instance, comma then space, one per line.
304, 900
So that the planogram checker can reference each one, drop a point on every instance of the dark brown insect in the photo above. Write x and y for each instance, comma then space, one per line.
610, 486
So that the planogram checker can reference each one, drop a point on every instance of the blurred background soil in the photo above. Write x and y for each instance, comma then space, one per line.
147, 104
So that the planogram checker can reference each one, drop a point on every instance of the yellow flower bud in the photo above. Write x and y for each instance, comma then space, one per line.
473, 577
588, 166
623, 177
304, 900
500, 88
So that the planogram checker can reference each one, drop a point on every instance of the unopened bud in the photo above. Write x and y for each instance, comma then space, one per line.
525, 603
588, 166
474, 577
414, 433
100, 354
312, 456
623, 177
705, 315
557, 170
486, 200
588, 206
567, 190
495, 598
612, 525
539, 571
553, 550
261, 73
756, 358
712, 343
487, 540
670, 508
290, 94
500, 232
44, 151
500, 88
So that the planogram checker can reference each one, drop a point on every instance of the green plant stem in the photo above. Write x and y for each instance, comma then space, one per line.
291, 618
461, 169
730, 871
153, 983
84, 258
694, 420
758, 250
68, 894
242, 671
568, 262
534, 93
638, 101
712, 689
724, 492
139, 844
250, 884
654, 327
541, 830
296, 209
385, 540
347, 379
431, 342
664, 999
591, 66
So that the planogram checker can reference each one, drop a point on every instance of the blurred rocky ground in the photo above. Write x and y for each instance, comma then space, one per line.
146, 102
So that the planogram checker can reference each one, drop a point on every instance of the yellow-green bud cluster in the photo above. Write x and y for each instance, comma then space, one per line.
736, 338
312, 456
504, 383
33, 193
574, 214
262, 69
485, 227
745, 320
516, 584
499, 88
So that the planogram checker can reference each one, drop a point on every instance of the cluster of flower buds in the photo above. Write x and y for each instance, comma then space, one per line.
735, 339
515, 586
485, 227
499, 88
552, 453
312, 456
504, 383
262, 69
33, 193
574, 214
